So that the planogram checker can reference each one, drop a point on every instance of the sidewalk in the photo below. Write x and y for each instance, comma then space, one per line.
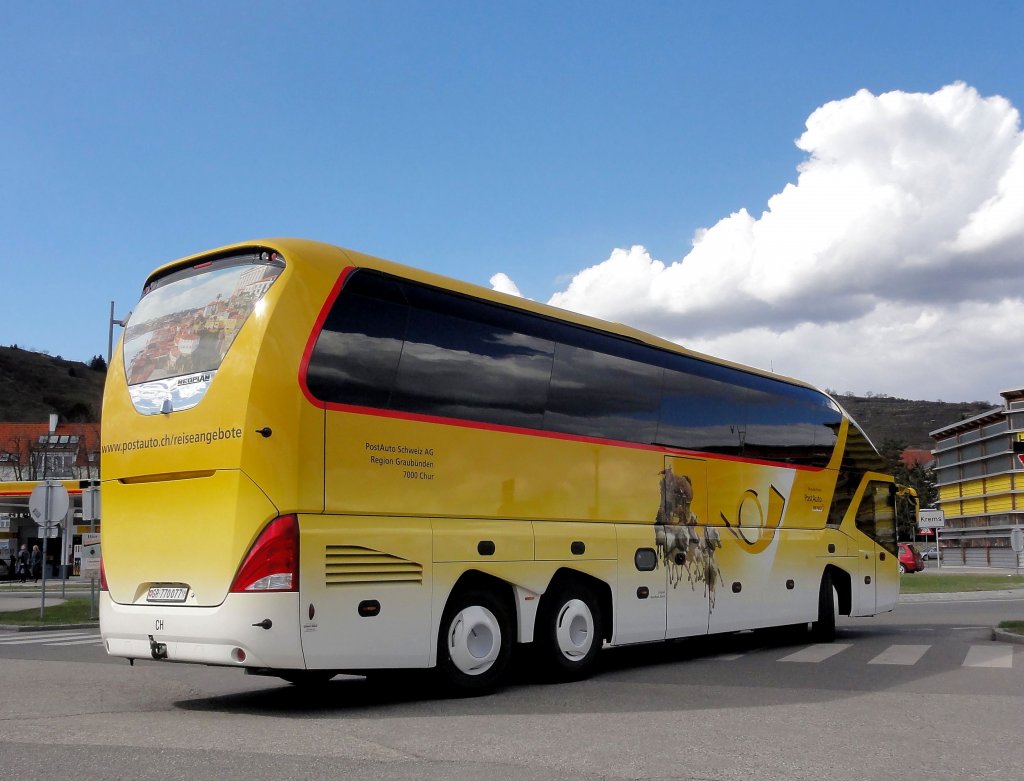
26, 601
16, 596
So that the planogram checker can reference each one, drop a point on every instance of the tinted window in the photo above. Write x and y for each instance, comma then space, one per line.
859, 456
185, 324
790, 429
463, 368
356, 355
601, 395
187, 321
722, 410
700, 413
394, 344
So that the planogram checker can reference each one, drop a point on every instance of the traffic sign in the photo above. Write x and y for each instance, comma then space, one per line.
931, 519
1017, 539
49, 503
90, 553
91, 504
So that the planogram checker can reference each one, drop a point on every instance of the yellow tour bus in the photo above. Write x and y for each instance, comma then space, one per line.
315, 461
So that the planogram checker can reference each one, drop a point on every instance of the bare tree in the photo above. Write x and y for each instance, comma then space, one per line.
18, 462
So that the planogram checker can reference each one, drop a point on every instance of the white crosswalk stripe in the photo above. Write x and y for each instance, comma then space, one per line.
985, 655
93, 640
816, 653
51, 638
990, 655
901, 654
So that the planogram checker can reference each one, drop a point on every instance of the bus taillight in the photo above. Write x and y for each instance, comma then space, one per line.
103, 576
273, 561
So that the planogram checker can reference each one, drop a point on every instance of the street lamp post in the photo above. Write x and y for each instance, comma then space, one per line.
110, 330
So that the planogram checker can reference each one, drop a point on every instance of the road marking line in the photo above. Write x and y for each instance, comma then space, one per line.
44, 637
95, 639
990, 655
725, 657
901, 654
817, 653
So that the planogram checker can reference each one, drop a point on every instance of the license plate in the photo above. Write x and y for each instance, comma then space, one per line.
167, 594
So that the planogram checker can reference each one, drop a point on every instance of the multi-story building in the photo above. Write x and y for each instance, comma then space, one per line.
980, 479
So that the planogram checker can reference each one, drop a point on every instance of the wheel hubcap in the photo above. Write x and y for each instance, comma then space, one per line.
574, 630
474, 640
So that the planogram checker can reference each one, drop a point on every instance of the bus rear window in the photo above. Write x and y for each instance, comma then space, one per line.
185, 324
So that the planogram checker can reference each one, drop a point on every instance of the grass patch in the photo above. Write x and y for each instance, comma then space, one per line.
72, 611
1013, 626
939, 583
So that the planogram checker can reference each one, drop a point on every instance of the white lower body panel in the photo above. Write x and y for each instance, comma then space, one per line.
231, 634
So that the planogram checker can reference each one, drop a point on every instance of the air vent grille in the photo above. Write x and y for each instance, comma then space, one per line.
348, 565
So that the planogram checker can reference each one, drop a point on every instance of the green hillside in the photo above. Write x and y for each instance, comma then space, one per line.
907, 421
32, 385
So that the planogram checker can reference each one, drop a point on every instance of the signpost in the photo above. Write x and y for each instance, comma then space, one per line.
90, 559
1017, 543
934, 520
48, 505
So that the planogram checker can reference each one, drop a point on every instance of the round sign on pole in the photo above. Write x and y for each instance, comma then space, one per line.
49, 503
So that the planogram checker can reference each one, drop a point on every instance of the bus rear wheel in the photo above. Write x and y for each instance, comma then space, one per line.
569, 631
475, 643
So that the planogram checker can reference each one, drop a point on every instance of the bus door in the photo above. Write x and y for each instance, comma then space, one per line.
748, 507
686, 545
878, 585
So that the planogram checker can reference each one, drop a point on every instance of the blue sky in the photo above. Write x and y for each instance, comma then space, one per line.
530, 139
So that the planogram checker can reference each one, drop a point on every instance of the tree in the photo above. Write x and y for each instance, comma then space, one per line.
18, 461
917, 476
98, 364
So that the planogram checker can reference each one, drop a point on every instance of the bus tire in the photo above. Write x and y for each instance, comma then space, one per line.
824, 629
569, 631
475, 642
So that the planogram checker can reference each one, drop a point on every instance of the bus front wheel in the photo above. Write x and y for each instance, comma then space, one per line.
569, 627
475, 643
824, 629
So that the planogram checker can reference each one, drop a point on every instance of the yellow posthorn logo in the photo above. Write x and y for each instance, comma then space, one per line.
749, 526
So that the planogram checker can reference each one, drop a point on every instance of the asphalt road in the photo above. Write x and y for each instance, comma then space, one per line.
921, 692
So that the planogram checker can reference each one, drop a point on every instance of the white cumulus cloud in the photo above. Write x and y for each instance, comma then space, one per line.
893, 264
504, 284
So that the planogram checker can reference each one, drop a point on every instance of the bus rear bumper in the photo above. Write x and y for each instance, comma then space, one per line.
246, 630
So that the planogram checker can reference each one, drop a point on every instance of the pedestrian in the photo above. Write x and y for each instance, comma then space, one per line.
37, 563
22, 566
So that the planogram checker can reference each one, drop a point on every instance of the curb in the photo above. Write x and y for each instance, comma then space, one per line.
960, 596
1007, 637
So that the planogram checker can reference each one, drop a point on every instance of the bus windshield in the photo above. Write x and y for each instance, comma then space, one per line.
184, 326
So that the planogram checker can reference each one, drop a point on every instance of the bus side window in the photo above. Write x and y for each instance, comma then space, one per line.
356, 354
